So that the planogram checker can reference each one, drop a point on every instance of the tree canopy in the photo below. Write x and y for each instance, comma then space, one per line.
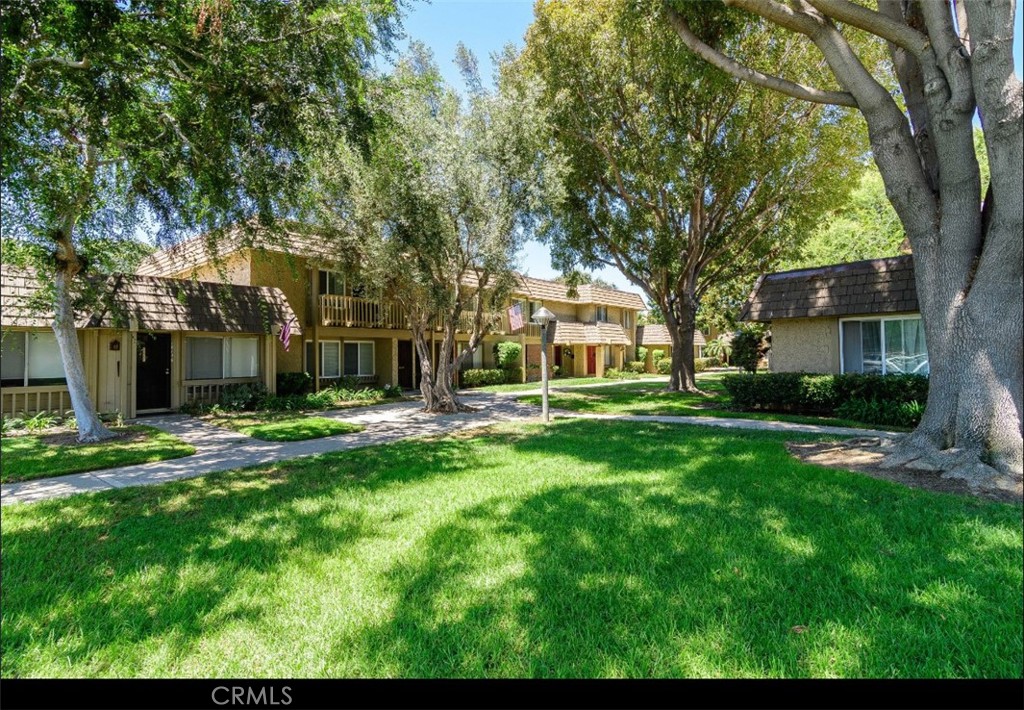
679, 176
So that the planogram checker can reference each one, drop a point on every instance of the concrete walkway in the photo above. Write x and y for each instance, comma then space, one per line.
219, 449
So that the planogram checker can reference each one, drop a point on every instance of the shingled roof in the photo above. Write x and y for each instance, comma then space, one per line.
858, 288
153, 303
571, 333
657, 334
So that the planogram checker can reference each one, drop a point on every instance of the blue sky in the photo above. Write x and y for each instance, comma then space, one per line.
485, 26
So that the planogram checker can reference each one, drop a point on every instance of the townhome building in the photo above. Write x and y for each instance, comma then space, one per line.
345, 333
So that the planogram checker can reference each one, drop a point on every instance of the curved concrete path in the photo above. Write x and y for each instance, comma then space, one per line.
219, 449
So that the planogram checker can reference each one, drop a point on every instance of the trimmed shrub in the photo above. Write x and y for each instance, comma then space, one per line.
641, 353
481, 378
637, 367
882, 412
826, 394
748, 347
657, 356
508, 354
513, 375
294, 383
664, 365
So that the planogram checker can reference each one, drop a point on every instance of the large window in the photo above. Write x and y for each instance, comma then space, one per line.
212, 358
601, 314
330, 358
884, 346
334, 283
30, 359
358, 358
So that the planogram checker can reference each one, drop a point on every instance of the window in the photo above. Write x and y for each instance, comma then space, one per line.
332, 282
359, 358
213, 358
626, 319
601, 314
883, 346
607, 355
30, 359
330, 358
476, 360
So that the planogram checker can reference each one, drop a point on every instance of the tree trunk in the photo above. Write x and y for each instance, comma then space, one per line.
90, 428
436, 381
681, 328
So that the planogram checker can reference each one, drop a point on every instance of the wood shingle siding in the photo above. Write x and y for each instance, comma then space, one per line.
875, 286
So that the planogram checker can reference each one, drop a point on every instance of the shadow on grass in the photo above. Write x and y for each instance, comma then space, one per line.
579, 549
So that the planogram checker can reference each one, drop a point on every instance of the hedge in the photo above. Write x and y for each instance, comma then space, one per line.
872, 398
481, 378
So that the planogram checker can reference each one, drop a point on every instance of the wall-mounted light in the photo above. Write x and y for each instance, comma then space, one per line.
115, 345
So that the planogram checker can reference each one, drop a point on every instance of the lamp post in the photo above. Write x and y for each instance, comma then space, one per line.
542, 318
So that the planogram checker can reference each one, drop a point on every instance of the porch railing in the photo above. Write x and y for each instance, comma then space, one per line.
352, 312
209, 391
29, 401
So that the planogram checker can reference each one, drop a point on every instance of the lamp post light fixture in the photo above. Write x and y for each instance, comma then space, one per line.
542, 318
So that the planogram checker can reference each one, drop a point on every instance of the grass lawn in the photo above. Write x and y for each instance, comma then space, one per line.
580, 549
283, 426
39, 456
651, 398
558, 383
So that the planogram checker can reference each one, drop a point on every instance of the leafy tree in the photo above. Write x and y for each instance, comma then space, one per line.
442, 200
748, 347
192, 114
680, 177
951, 60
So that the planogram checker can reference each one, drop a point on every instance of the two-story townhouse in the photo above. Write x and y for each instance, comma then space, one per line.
348, 334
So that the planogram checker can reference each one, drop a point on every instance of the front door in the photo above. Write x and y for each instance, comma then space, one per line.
591, 359
405, 364
153, 371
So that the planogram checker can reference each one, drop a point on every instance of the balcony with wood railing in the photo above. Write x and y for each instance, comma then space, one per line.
352, 312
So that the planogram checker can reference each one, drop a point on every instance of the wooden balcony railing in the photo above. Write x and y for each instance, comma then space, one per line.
352, 312
29, 401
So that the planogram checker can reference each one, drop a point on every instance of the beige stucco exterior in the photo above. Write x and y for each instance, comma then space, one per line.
805, 345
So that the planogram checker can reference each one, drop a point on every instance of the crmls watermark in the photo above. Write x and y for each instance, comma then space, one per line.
247, 695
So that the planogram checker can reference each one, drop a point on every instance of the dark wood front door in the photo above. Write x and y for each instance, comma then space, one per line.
153, 371
591, 359
405, 364
558, 356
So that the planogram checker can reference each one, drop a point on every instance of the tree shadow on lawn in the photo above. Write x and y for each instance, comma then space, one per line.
725, 569
590, 549
168, 565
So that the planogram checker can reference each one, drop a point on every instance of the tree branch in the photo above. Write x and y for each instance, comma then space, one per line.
899, 33
744, 73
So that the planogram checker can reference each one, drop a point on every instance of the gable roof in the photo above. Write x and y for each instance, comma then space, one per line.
857, 288
153, 303
657, 334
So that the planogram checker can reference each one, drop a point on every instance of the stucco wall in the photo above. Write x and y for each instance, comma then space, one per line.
291, 275
805, 345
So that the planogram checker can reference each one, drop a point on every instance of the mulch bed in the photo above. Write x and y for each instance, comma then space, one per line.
865, 455
63, 437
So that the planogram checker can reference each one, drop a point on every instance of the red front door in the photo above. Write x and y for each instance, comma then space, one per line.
591, 359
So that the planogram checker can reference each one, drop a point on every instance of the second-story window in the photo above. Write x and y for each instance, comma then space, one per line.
601, 314
627, 318
332, 283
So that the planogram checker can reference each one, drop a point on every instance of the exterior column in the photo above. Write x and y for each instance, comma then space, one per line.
522, 355
394, 361
315, 306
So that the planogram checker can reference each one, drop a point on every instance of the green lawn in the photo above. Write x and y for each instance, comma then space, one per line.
283, 426
558, 383
582, 549
32, 456
652, 398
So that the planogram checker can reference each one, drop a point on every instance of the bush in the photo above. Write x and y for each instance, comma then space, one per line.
245, 395
707, 362
294, 383
641, 353
699, 364
613, 373
748, 347
657, 356
482, 378
513, 375
508, 354
664, 365
637, 367
827, 394
882, 412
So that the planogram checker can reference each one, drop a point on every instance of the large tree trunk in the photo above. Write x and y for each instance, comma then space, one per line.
436, 380
90, 428
681, 323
